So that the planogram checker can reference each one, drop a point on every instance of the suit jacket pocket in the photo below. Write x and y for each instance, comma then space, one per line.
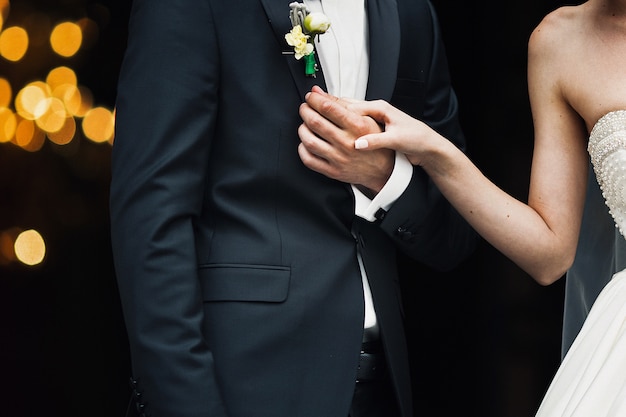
408, 96
236, 282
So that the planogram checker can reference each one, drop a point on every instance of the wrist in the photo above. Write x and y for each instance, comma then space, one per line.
438, 159
380, 176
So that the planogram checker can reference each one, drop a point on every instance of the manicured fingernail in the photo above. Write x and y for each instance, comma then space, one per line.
360, 144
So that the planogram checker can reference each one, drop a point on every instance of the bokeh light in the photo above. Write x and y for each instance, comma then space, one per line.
50, 114
28, 136
86, 101
65, 134
99, 124
66, 39
61, 76
71, 97
13, 43
55, 181
8, 124
49, 108
6, 93
48, 104
29, 98
30, 248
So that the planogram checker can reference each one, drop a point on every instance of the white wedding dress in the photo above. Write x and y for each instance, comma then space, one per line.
591, 381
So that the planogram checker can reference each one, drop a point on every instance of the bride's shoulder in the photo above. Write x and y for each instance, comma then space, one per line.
557, 31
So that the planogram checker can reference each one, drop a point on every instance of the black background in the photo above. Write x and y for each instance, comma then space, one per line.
485, 339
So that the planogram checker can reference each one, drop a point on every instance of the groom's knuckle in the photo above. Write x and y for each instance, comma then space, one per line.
364, 125
326, 105
316, 123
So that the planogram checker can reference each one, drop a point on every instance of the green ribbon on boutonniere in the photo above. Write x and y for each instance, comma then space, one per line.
305, 27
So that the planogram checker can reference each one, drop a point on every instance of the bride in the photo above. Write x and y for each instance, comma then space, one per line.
577, 86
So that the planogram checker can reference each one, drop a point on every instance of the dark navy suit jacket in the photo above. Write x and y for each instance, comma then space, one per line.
236, 264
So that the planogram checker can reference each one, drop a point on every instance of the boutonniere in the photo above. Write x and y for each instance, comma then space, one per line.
305, 27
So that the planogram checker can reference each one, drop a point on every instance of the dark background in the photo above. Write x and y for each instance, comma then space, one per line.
485, 339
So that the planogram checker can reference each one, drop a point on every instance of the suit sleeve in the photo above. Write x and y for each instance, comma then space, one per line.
167, 99
422, 222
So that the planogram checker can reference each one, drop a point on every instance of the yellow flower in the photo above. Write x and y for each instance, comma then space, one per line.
299, 41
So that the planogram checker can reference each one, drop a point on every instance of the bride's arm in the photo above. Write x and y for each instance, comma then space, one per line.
540, 236
558, 181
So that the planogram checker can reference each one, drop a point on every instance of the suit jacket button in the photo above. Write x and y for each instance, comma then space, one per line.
140, 408
403, 233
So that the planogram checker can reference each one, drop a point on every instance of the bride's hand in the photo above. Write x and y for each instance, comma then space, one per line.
401, 132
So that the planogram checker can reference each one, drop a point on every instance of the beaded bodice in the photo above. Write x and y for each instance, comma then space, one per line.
607, 148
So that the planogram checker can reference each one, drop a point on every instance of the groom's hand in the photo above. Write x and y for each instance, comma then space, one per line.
327, 137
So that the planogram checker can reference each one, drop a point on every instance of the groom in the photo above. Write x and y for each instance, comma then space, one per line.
249, 286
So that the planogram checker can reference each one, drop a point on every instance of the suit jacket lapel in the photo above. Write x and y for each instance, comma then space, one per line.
384, 39
278, 14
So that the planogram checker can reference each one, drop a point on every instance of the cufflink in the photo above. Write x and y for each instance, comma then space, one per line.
404, 234
380, 215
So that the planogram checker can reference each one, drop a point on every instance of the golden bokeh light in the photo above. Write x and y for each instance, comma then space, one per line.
30, 248
28, 136
50, 114
70, 96
28, 99
6, 93
25, 132
66, 39
64, 135
86, 101
98, 124
52, 108
13, 43
8, 124
49, 108
60, 76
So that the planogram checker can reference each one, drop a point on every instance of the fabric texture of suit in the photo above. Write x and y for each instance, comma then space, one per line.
236, 264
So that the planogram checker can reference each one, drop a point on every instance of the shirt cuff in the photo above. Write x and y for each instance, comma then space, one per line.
400, 178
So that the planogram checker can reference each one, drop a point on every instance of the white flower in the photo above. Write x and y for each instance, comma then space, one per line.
316, 23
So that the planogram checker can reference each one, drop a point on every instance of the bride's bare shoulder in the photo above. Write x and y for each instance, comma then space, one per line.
558, 30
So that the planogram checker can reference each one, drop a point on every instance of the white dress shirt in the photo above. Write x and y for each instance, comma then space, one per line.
343, 52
